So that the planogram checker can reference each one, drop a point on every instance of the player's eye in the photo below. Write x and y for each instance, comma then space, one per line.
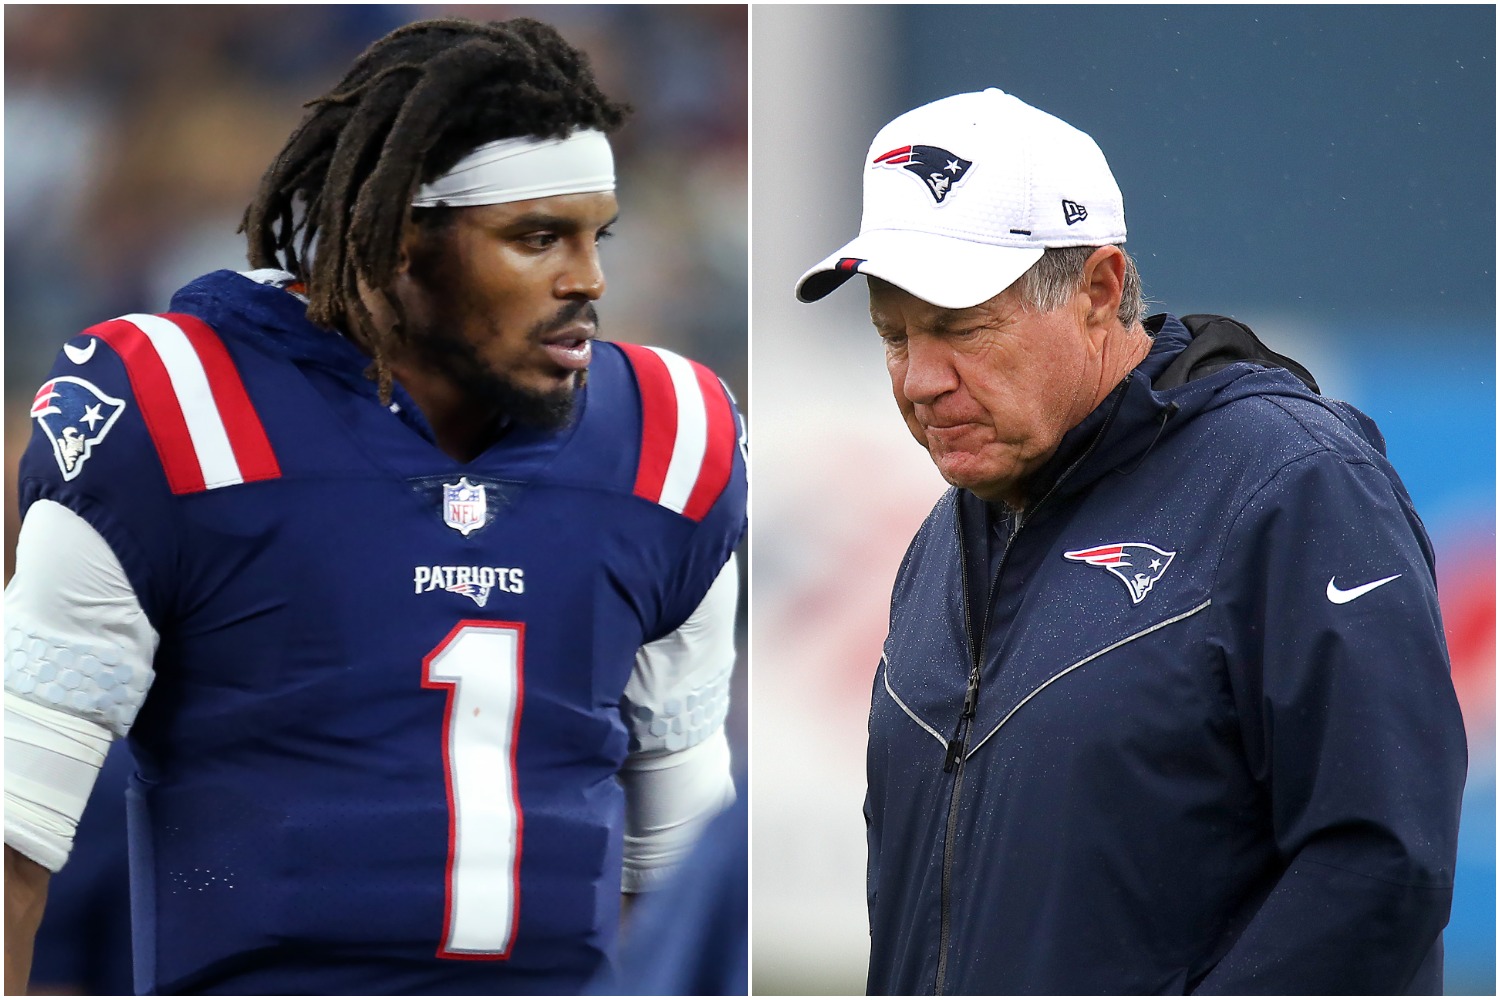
539, 240
604, 234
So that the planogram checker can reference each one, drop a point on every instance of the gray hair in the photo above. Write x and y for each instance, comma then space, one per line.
1054, 279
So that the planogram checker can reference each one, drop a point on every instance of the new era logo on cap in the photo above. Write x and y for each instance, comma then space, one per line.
1073, 212
934, 166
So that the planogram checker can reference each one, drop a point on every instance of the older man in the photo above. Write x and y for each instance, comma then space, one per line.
1165, 703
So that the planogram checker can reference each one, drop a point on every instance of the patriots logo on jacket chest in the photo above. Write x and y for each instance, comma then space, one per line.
1137, 564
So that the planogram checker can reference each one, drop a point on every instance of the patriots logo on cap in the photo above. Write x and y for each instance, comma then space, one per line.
1137, 564
75, 415
939, 169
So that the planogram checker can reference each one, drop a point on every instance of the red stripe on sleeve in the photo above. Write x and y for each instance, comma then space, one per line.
658, 420
718, 452
247, 436
160, 409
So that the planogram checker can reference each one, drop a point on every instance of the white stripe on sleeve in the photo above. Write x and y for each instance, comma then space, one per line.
190, 383
691, 443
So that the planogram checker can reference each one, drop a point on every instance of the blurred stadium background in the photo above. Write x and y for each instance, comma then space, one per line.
1326, 174
136, 135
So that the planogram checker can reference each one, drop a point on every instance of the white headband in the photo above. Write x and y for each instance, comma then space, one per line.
522, 169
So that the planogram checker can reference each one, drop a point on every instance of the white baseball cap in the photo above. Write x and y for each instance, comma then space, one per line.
962, 196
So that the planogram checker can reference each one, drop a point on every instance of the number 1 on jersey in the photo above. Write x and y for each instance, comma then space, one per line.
479, 663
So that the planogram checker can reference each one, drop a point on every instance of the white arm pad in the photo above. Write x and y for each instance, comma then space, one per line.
78, 652
669, 799
678, 694
51, 762
677, 776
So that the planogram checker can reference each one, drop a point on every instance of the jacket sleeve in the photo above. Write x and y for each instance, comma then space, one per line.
1328, 613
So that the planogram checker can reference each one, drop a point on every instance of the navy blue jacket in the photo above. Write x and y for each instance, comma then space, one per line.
1193, 745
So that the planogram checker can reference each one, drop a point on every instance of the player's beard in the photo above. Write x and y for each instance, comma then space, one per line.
459, 361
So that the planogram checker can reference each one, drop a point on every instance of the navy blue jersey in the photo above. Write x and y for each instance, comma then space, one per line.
692, 937
379, 753
83, 942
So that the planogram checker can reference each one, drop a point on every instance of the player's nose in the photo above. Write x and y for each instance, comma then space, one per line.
583, 276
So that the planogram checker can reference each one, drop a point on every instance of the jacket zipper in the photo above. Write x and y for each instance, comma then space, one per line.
958, 747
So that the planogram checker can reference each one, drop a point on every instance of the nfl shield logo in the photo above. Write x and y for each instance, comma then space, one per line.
463, 506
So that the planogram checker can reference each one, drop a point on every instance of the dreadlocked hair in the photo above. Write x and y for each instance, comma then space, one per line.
412, 105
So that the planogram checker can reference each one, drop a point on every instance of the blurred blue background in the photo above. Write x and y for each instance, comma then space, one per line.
1335, 161
1324, 173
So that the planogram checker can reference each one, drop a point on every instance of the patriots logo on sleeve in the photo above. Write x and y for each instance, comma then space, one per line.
934, 166
1137, 564
75, 415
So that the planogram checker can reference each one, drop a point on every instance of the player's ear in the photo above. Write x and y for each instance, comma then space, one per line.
411, 233
424, 237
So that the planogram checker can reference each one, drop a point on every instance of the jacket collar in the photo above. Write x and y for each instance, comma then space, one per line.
1119, 431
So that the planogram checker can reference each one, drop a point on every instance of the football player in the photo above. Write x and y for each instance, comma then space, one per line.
415, 598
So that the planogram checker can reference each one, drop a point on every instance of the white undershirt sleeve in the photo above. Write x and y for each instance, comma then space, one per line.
78, 654
678, 774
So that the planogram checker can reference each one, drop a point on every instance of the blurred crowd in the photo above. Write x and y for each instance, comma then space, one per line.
136, 135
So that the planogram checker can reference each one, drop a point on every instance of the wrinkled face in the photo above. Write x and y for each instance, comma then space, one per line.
989, 391
500, 298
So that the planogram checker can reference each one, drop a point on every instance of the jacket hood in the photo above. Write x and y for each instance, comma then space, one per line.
1196, 364
260, 308
263, 310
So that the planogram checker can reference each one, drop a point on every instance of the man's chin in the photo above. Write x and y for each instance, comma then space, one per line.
543, 409
969, 472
